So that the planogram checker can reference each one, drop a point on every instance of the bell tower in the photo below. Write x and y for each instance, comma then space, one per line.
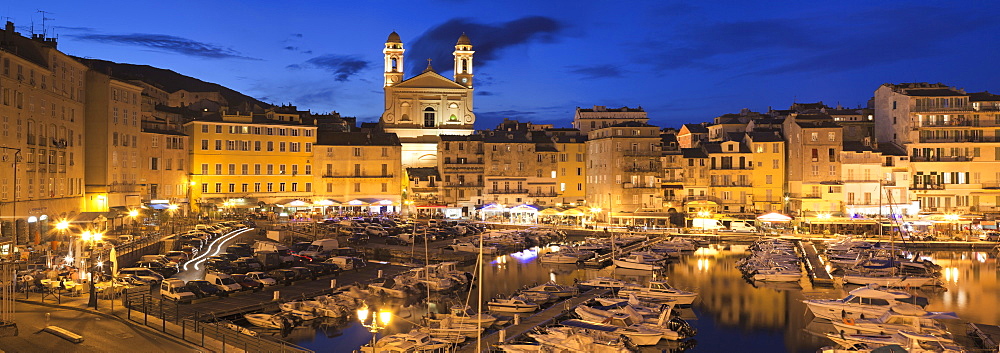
393, 59
463, 61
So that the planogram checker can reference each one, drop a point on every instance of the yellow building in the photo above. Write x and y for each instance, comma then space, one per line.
360, 171
113, 129
244, 161
768, 173
42, 137
730, 176
590, 119
571, 166
461, 165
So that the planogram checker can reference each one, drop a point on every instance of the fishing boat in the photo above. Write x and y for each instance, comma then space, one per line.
659, 290
515, 304
864, 302
390, 287
902, 317
639, 262
911, 341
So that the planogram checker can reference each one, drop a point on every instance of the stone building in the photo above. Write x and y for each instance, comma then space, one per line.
623, 169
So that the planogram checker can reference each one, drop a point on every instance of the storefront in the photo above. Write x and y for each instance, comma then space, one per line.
524, 214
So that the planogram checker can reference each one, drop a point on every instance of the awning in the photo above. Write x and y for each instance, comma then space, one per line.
524, 209
491, 207
326, 202
573, 212
701, 203
292, 203
159, 206
774, 217
365, 201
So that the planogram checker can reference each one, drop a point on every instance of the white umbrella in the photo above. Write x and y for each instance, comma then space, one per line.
114, 261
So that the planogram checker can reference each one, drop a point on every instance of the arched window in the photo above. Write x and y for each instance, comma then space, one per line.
429, 118
453, 118
465, 66
394, 63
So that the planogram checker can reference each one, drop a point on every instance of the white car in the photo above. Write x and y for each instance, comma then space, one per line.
224, 282
174, 289
262, 278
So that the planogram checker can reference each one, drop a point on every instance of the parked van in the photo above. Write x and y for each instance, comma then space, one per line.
320, 248
174, 289
742, 227
224, 282
347, 263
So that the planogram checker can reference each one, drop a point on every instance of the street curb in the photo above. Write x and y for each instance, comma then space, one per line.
124, 321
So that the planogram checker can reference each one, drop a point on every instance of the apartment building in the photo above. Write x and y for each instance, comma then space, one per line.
359, 169
42, 146
163, 172
113, 124
461, 164
623, 169
242, 161
814, 143
768, 171
598, 117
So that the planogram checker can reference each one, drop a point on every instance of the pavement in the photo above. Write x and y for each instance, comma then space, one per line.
101, 332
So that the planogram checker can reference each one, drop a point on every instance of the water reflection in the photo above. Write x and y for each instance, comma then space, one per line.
730, 313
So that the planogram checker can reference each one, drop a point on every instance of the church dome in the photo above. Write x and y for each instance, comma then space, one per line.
394, 38
464, 40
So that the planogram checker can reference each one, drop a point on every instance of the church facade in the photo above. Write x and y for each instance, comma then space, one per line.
421, 109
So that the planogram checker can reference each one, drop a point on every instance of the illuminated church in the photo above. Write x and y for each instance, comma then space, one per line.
422, 108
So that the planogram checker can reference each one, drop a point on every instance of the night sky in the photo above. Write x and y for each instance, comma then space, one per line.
539, 60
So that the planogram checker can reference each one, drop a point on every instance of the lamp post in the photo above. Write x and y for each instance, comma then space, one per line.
88, 238
171, 210
133, 214
377, 323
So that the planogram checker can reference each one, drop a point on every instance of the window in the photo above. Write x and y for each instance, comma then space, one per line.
768, 179
232, 169
256, 169
204, 187
295, 186
204, 169
245, 169
815, 155
281, 169
295, 169
281, 147
833, 170
244, 187
357, 187
270, 186
232, 188
218, 187
281, 187
218, 145
308, 167
218, 169
309, 145
256, 187
256, 146
429, 117
832, 136
153, 163
357, 151
270, 145
270, 169
385, 187
309, 186
832, 155
814, 136
204, 144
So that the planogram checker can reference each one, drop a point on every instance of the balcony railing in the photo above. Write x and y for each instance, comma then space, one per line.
423, 188
641, 170
927, 187
941, 159
731, 185
940, 109
639, 186
464, 185
358, 176
959, 139
542, 194
991, 185
452, 163
641, 153
507, 191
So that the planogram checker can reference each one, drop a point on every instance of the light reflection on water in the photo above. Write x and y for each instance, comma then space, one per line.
731, 313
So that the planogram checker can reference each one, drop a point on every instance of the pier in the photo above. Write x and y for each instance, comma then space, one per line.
602, 259
815, 265
543, 317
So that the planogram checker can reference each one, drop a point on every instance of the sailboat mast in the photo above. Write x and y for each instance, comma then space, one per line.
479, 283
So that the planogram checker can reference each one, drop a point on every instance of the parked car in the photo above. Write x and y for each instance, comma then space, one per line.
202, 288
229, 256
262, 277
248, 283
165, 270
223, 281
395, 240
176, 290
303, 273
176, 256
219, 265
143, 273
318, 269
283, 275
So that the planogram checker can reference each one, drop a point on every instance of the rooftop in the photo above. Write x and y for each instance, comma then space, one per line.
356, 139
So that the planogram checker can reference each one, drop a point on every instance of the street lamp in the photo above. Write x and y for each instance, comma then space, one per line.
133, 214
171, 210
384, 317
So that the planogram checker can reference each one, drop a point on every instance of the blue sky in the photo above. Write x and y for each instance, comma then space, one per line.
539, 60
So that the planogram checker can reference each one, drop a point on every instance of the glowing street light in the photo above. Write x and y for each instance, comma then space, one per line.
62, 225
379, 322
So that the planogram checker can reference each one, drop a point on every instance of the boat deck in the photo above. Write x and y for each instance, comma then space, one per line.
541, 318
603, 259
814, 264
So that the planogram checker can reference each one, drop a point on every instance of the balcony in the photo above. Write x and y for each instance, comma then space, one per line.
463, 185
927, 187
991, 185
958, 139
641, 170
732, 185
922, 109
453, 163
543, 194
991, 209
639, 186
941, 159
640, 153
507, 191
364, 176
424, 189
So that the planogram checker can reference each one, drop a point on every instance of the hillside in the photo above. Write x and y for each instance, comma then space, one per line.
168, 80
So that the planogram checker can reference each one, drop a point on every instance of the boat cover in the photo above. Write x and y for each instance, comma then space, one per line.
589, 325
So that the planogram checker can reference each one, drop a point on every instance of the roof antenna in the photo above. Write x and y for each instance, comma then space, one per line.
44, 19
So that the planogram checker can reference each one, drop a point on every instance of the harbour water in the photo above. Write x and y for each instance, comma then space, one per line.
730, 315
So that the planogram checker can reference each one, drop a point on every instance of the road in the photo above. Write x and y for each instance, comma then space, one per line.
195, 268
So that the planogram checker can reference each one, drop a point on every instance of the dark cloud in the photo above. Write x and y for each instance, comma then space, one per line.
292, 48
488, 40
597, 71
816, 44
167, 43
75, 29
297, 35
485, 93
342, 66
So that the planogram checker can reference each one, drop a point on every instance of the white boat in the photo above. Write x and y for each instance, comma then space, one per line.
465, 315
902, 317
638, 335
659, 290
514, 304
411, 342
471, 247
602, 282
891, 281
912, 342
390, 287
446, 328
275, 321
552, 288
301, 310
567, 256
864, 302
778, 274
568, 341
538, 297
315, 308
639, 262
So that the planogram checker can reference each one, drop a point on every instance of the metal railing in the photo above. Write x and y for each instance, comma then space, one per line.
927, 187
358, 176
507, 191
